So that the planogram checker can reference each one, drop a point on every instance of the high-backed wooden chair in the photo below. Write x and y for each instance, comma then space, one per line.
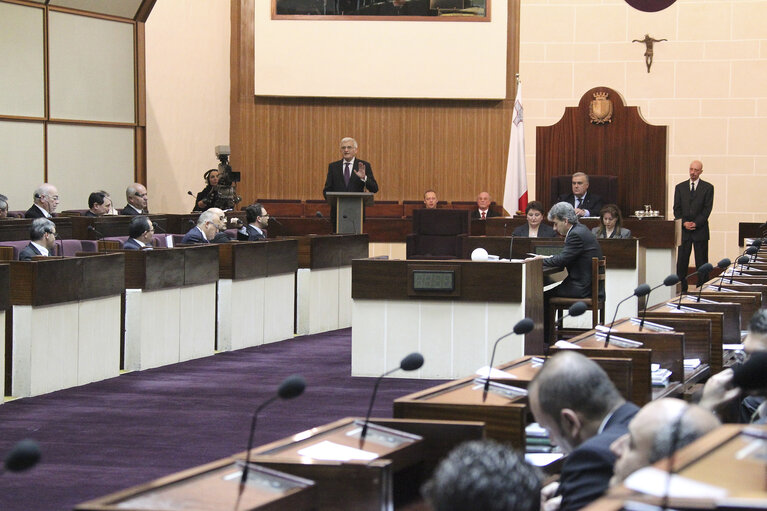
438, 233
596, 303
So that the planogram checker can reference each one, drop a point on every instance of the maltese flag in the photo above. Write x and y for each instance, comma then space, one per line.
515, 192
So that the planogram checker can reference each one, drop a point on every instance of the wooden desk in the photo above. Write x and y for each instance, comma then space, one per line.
323, 281
213, 487
170, 303
407, 451
256, 293
454, 331
108, 225
730, 311
17, 229
79, 299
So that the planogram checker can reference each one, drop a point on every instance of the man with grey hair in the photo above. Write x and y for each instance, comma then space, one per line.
3, 206
656, 432
42, 235
138, 200
483, 474
580, 246
207, 227
575, 401
349, 174
46, 200
585, 203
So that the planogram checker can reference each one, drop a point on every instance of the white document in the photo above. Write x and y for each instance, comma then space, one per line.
541, 459
332, 451
565, 345
495, 374
651, 481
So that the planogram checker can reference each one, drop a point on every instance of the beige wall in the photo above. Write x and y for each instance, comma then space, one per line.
707, 83
187, 89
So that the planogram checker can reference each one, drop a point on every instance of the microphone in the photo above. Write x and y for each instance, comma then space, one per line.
93, 229
158, 228
409, 363
722, 265
189, 192
704, 269
742, 260
703, 273
641, 290
752, 374
292, 386
274, 219
671, 280
523, 326
318, 214
751, 251
24, 455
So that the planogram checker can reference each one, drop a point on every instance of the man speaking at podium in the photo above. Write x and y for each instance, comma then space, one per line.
349, 174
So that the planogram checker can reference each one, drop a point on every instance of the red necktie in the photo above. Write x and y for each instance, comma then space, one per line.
483, 214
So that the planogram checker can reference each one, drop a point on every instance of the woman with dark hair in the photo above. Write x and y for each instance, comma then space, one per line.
207, 197
534, 228
610, 224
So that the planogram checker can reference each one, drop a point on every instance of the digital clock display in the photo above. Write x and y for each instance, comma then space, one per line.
434, 280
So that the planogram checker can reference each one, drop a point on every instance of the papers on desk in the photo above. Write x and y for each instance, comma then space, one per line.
652, 481
332, 451
495, 374
732, 347
565, 345
691, 363
660, 376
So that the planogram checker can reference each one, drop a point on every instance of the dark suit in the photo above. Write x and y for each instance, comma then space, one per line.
34, 212
130, 210
28, 252
252, 234
622, 234
580, 247
693, 208
586, 472
132, 244
334, 182
544, 231
591, 202
490, 214
90, 213
194, 235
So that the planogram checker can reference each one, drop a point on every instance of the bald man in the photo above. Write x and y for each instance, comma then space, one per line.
46, 200
483, 210
657, 431
693, 201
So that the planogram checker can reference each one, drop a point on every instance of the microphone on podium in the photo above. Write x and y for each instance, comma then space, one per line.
671, 280
742, 260
722, 265
158, 228
700, 272
292, 386
96, 232
23, 456
523, 326
409, 363
641, 290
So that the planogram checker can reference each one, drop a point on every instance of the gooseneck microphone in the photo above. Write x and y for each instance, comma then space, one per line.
523, 326
409, 363
96, 232
189, 192
700, 272
292, 386
722, 265
641, 290
158, 228
23, 456
742, 260
671, 280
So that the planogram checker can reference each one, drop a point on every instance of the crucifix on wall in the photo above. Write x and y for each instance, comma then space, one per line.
649, 42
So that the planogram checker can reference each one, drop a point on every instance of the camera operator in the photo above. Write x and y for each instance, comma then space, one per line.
208, 196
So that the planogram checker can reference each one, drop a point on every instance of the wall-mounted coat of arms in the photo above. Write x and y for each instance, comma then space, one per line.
601, 108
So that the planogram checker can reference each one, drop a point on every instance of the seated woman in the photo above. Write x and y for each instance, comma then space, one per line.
534, 228
610, 222
207, 197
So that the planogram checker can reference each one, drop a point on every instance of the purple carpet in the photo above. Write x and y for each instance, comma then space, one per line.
107, 436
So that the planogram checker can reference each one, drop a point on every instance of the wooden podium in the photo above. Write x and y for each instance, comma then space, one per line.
213, 487
350, 210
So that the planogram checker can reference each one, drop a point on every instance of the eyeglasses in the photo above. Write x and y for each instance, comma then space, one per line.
142, 195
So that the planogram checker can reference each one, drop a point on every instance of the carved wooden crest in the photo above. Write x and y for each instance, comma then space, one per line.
601, 108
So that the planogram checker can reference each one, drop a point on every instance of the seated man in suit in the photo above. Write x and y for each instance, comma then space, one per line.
207, 227
140, 232
483, 207
575, 401
483, 474
46, 200
580, 247
659, 429
585, 203
258, 219
42, 235
137, 200
349, 174
534, 227
99, 204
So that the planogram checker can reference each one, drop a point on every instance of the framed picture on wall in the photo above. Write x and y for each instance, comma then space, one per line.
420, 10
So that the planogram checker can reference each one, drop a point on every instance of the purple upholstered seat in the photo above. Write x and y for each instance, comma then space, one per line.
17, 246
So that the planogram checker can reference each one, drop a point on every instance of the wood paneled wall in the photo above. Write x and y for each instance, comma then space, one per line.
282, 146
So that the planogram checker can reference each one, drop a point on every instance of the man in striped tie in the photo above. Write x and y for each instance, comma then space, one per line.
584, 202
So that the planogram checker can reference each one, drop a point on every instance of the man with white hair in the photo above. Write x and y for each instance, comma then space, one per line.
349, 174
46, 200
138, 200
207, 227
